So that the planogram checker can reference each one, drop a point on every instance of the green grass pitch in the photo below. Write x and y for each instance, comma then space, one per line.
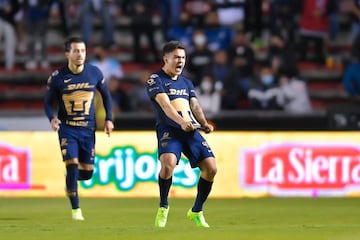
124, 218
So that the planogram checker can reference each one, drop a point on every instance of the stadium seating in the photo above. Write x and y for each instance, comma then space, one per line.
22, 89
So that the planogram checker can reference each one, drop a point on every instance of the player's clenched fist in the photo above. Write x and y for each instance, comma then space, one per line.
55, 124
208, 128
187, 126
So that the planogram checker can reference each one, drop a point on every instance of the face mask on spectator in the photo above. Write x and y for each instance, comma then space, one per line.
200, 40
206, 86
267, 79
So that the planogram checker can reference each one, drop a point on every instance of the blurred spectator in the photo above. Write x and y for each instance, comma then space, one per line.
314, 27
282, 18
8, 9
334, 19
197, 9
20, 29
232, 13
141, 13
221, 68
113, 73
218, 36
170, 11
200, 59
110, 67
36, 19
241, 47
62, 10
281, 54
254, 19
91, 9
237, 81
293, 96
351, 77
264, 92
207, 94
354, 7
139, 99
181, 32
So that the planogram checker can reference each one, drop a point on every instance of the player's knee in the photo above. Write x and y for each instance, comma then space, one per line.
166, 171
209, 173
212, 172
85, 174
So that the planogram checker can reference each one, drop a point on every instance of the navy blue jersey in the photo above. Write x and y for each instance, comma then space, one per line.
75, 94
179, 92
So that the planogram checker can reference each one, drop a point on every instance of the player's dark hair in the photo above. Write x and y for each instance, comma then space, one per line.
171, 46
71, 40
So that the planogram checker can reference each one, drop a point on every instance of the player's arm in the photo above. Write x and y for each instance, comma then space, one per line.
164, 102
107, 101
199, 114
48, 105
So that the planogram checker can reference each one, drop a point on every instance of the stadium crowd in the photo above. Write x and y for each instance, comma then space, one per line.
223, 38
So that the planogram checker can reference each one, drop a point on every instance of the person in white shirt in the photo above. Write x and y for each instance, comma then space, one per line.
209, 97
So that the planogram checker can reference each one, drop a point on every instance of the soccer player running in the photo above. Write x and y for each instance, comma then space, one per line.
72, 88
178, 117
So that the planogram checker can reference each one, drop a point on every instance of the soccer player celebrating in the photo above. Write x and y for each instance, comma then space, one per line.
178, 117
73, 89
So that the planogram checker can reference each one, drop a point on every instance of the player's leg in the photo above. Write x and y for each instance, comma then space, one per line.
169, 149
208, 171
72, 174
201, 155
69, 149
168, 162
86, 155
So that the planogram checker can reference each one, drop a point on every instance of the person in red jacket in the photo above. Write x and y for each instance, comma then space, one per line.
314, 27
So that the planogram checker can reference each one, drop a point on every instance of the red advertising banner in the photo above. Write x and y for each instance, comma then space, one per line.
300, 167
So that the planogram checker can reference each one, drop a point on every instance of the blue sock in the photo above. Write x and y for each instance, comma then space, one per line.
72, 174
204, 188
164, 186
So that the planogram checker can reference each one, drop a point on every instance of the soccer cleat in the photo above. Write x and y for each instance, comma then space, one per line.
161, 217
76, 215
198, 218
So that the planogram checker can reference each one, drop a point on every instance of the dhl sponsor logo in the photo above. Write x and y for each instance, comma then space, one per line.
79, 86
181, 92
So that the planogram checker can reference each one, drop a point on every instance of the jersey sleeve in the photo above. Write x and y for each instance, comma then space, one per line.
154, 85
49, 97
102, 87
192, 91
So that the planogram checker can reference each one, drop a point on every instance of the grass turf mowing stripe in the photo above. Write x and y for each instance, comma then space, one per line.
123, 218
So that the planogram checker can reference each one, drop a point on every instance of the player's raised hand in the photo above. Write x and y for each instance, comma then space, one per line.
109, 126
187, 126
55, 123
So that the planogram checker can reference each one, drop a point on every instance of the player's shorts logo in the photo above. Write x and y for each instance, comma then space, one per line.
63, 151
165, 136
63, 142
164, 144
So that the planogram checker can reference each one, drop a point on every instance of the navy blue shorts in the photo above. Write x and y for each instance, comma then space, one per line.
77, 142
177, 141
